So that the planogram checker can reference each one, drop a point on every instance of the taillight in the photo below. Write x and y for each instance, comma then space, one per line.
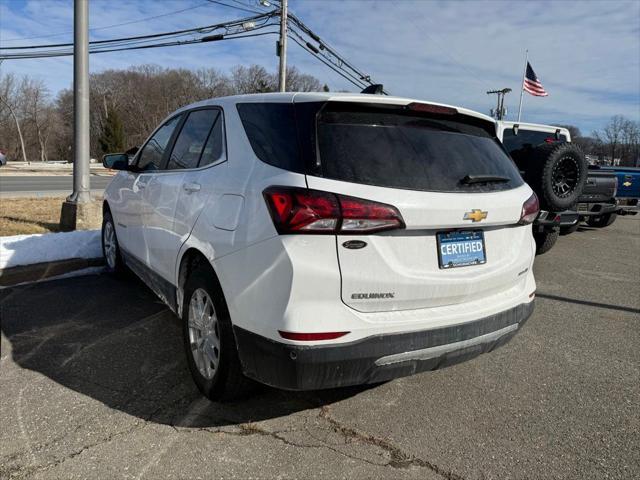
300, 210
530, 210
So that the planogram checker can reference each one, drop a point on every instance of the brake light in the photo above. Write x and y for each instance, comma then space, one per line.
530, 210
429, 108
300, 210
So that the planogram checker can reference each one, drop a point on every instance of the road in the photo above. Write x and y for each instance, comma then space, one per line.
94, 384
21, 185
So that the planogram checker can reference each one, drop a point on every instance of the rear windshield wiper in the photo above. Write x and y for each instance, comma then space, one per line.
471, 179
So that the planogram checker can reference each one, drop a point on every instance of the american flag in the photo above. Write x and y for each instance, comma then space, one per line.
532, 83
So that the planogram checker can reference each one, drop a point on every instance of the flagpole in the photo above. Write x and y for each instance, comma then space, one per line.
526, 59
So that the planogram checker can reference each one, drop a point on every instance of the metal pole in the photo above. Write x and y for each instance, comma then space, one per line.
81, 188
526, 59
282, 52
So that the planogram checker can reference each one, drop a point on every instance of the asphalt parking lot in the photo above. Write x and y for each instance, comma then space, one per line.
94, 384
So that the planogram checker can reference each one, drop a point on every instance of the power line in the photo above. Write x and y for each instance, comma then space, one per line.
204, 29
338, 71
137, 45
329, 55
205, 39
241, 28
218, 2
15, 39
297, 38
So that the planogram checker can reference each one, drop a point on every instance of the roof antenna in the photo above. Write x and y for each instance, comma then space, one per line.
375, 89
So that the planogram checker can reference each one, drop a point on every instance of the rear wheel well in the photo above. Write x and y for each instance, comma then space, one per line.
191, 260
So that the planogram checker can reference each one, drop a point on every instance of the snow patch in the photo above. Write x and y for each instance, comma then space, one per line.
49, 247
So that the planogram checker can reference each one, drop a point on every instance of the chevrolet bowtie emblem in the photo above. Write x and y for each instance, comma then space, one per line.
627, 184
475, 215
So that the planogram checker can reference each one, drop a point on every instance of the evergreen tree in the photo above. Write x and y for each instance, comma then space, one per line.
112, 138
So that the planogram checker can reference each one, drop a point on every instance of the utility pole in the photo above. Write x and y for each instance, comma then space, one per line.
77, 210
282, 48
500, 111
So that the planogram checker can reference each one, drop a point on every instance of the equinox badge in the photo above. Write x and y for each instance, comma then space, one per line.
475, 215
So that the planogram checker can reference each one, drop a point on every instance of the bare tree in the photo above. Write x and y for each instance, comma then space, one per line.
140, 97
301, 82
620, 140
253, 79
612, 134
35, 101
631, 143
8, 98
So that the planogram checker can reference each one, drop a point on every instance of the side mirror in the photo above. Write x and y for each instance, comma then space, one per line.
515, 129
116, 161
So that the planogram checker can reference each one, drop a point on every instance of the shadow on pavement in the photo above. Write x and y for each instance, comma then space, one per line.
588, 303
114, 341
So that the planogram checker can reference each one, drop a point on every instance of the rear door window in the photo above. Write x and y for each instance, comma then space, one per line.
192, 140
214, 149
397, 148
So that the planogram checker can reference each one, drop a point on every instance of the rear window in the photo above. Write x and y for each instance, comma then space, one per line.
527, 139
398, 148
379, 145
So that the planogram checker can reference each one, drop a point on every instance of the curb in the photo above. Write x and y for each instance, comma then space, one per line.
39, 271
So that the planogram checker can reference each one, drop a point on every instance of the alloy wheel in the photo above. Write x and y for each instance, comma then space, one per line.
110, 244
564, 177
204, 333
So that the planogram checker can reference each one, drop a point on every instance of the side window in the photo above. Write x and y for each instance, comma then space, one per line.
191, 141
214, 148
271, 129
150, 157
527, 139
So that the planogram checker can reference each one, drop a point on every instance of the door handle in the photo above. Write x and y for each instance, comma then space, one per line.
191, 187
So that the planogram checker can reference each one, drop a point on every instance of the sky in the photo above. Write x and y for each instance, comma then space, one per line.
585, 53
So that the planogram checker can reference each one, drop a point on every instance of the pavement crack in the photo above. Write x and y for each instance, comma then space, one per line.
253, 429
398, 458
80, 451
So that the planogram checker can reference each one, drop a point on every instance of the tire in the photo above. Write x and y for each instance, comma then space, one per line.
602, 221
545, 240
559, 172
110, 246
215, 365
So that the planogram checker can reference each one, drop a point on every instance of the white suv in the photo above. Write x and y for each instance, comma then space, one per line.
312, 240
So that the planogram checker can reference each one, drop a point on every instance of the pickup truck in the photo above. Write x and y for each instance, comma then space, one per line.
628, 184
601, 201
554, 167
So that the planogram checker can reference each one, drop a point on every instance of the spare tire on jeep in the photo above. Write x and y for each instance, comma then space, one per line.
557, 172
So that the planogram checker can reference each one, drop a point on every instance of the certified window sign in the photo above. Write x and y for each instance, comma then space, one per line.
461, 249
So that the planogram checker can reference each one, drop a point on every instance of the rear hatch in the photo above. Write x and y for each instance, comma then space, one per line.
459, 195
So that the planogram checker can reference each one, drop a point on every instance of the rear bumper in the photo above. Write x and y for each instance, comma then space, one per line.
597, 209
547, 220
377, 358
